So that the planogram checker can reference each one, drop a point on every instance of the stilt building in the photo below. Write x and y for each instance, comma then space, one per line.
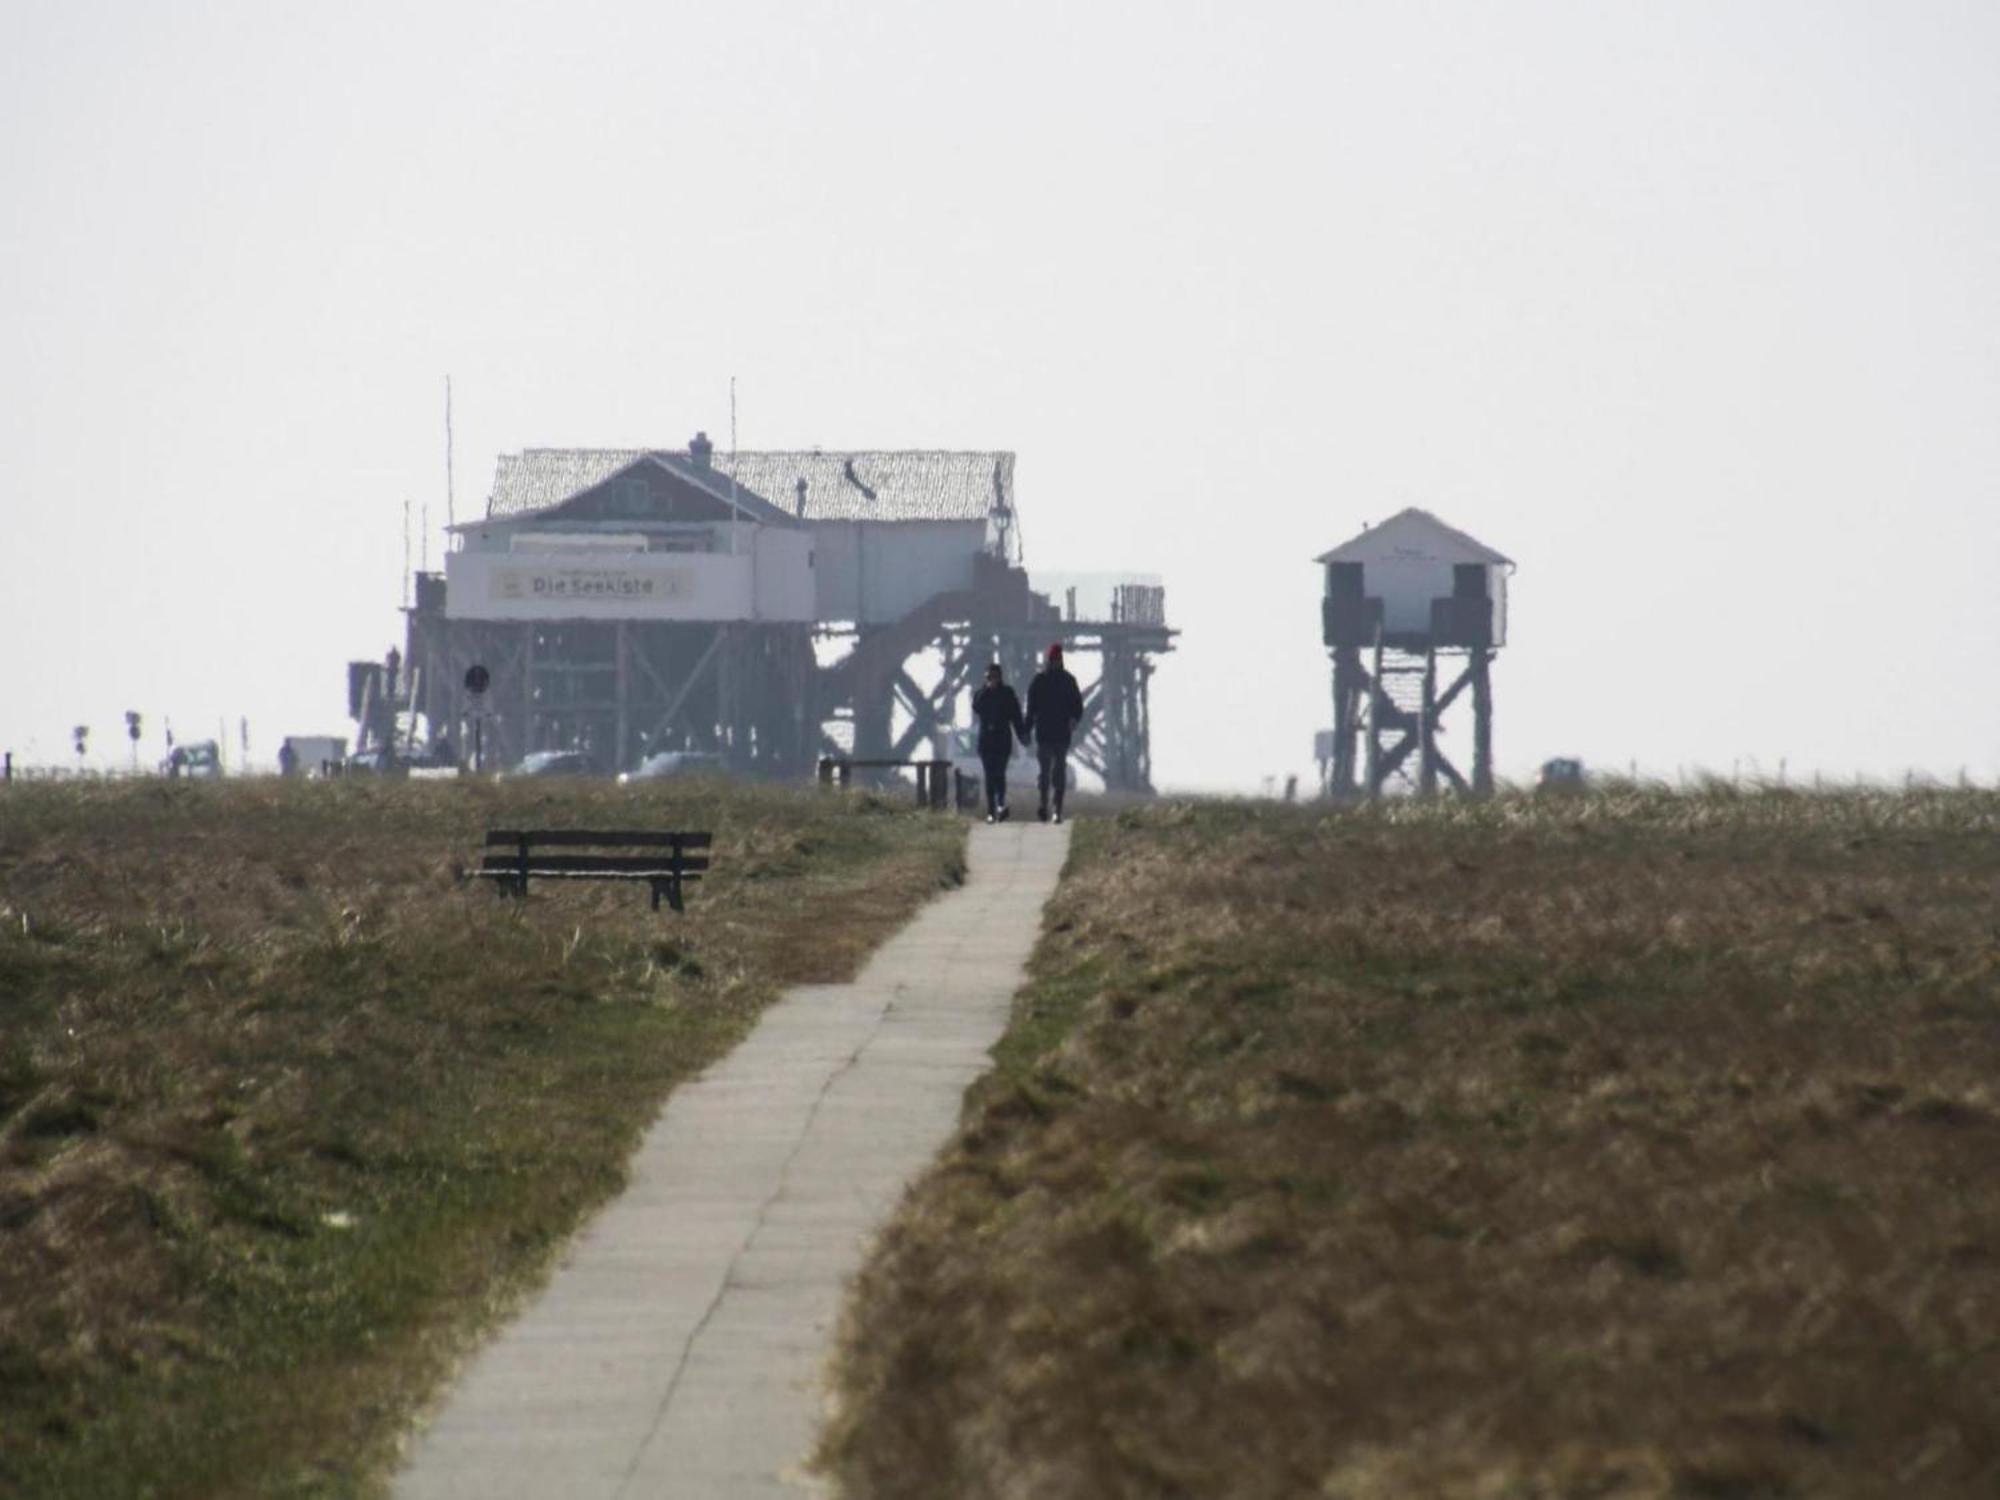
768, 609
1412, 614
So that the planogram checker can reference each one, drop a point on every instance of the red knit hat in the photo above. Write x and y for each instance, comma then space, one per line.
1055, 651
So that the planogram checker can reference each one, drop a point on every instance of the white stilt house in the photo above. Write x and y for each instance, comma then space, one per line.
1398, 598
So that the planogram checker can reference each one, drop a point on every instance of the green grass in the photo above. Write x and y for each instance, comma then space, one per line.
1623, 1145
290, 1111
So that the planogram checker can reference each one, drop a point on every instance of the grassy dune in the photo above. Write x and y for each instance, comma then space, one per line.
1635, 1145
289, 1111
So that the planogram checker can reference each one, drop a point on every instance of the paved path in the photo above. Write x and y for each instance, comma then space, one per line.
678, 1349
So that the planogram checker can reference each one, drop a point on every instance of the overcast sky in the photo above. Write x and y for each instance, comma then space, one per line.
1691, 309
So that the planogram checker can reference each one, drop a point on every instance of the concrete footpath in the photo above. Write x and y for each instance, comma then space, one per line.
680, 1346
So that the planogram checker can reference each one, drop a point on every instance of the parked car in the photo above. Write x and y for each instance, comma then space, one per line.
1561, 775
553, 763
664, 763
378, 760
200, 759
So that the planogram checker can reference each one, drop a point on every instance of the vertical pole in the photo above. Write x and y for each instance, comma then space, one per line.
527, 730
621, 752
1482, 724
1146, 726
450, 489
1373, 728
1347, 689
1427, 779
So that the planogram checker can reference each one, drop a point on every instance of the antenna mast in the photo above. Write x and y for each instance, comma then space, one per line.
450, 499
733, 517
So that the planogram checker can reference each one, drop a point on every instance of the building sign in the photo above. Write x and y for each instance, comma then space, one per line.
771, 578
556, 585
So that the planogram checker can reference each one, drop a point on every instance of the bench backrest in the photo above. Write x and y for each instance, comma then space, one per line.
597, 852
592, 838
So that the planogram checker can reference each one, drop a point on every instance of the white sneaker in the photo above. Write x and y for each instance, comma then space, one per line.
991, 819
1058, 818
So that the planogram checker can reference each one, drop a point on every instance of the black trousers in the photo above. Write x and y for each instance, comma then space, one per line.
1052, 772
994, 763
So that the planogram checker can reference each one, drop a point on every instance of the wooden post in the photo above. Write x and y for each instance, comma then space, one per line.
1427, 769
529, 740
621, 751
1347, 689
1376, 700
1482, 724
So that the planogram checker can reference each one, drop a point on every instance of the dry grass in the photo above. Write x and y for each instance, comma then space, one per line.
289, 1111
1626, 1146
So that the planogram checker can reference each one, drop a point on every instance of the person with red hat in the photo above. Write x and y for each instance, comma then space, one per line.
1055, 708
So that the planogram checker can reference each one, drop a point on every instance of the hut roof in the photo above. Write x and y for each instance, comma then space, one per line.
1410, 527
861, 485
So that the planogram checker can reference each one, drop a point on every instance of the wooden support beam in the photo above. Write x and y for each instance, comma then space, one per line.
1427, 774
1450, 772
1482, 724
1378, 700
1459, 685
701, 666
1391, 760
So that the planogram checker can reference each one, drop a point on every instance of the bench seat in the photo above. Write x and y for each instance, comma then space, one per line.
667, 860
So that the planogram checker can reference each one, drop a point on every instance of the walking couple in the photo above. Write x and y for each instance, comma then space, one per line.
1055, 708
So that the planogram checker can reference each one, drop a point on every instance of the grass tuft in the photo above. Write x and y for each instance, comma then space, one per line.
290, 1111
1624, 1145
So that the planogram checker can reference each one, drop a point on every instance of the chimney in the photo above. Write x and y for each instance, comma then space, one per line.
801, 491
701, 450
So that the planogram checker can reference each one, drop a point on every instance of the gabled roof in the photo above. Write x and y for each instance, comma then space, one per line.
864, 485
579, 479
1414, 524
754, 507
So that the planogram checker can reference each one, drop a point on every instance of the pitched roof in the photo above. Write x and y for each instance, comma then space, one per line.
753, 505
866, 485
543, 487
1413, 522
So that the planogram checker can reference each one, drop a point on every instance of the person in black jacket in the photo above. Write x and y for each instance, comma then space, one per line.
998, 712
1055, 708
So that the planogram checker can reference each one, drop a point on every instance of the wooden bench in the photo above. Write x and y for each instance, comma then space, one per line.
664, 860
932, 787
